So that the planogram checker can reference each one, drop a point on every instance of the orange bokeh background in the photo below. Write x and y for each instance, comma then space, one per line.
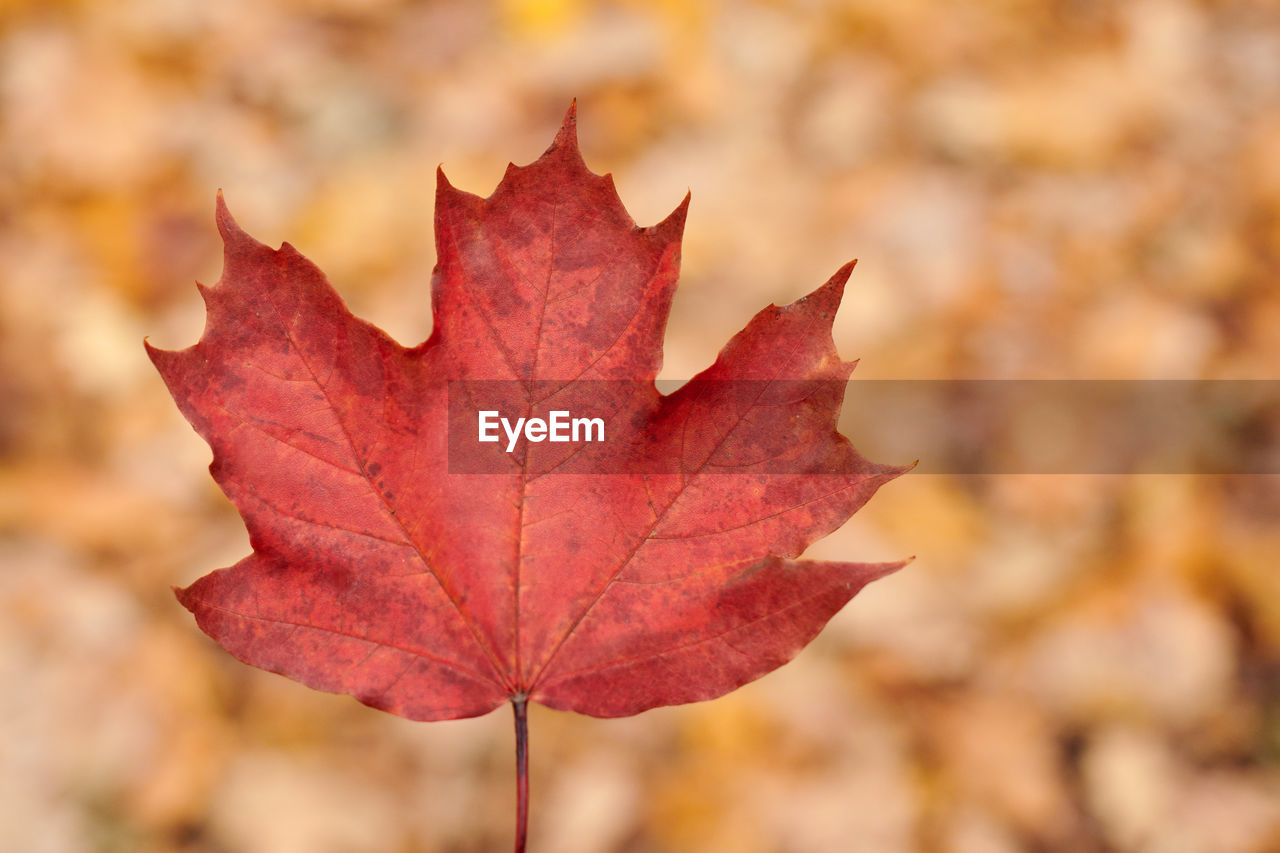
1065, 189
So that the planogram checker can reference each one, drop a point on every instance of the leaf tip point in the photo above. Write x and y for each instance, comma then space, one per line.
228, 228
899, 470
892, 568
672, 227
841, 276
156, 354
895, 471
446, 192
833, 289
824, 301
567, 137
682, 209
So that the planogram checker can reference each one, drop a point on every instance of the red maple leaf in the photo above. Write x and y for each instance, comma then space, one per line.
398, 559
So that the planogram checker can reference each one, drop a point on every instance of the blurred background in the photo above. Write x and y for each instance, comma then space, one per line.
1050, 189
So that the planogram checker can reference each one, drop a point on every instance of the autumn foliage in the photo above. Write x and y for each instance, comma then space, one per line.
664, 575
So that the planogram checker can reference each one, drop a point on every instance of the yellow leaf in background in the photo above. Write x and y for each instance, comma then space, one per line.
541, 18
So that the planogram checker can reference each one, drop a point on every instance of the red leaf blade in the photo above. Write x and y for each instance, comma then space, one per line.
381, 573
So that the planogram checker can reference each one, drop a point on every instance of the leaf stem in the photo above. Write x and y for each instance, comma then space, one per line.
519, 705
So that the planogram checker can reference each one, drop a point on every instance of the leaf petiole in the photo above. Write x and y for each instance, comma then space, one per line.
520, 706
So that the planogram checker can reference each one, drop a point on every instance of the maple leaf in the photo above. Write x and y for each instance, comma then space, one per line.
652, 568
